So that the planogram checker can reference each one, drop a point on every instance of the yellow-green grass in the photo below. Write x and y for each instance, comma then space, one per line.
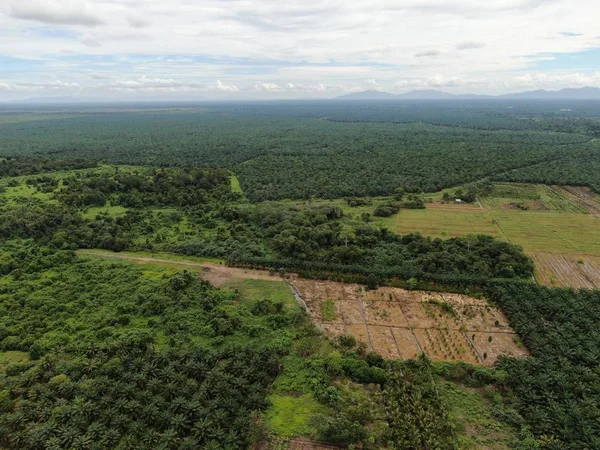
471, 413
534, 231
21, 118
289, 416
531, 197
253, 290
551, 231
24, 191
235, 185
444, 223
12, 357
155, 263
112, 211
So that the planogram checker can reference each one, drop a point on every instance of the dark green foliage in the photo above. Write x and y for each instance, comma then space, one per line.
338, 429
417, 417
386, 210
413, 202
124, 360
557, 389
288, 150
17, 166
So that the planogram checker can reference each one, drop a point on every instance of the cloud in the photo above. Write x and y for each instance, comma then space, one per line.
46, 85
137, 22
428, 53
220, 86
469, 45
267, 87
99, 76
154, 84
62, 12
4, 87
556, 80
301, 47
90, 41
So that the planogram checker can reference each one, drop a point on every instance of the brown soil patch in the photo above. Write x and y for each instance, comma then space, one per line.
500, 344
454, 206
219, 275
567, 270
400, 324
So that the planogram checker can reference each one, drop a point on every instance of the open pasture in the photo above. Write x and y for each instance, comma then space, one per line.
444, 223
401, 324
533, 230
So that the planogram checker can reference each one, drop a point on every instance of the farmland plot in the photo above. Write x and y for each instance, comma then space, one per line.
567, 270
401, 324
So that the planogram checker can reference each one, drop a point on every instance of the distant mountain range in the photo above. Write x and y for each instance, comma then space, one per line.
584, 93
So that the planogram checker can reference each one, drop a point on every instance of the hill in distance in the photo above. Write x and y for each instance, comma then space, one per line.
585, 93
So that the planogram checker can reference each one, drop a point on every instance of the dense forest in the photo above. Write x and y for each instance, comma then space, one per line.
327, 150
110, 355
121, 359
194, 212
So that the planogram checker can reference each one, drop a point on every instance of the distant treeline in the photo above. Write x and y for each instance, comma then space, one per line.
329, 150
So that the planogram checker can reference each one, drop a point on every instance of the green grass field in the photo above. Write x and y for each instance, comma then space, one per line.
12, 357
253, 290
551, 231
471, 412
529, 197
445, 224
235, 185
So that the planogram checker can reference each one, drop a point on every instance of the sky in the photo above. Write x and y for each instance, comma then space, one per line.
288, 49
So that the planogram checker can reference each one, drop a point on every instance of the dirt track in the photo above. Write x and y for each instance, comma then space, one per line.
217, 274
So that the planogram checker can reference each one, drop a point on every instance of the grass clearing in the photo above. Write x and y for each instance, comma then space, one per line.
111, 211
289, 416
235, 185
471, 412
254, 290
12, 357
551, 231
444, 223
328, 312
24, 191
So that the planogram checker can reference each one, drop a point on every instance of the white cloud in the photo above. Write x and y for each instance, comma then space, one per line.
469, 45
267, 87
303, 48
220, 86
556, 80
63, 12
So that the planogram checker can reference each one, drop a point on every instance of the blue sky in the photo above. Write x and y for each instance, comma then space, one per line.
262, 49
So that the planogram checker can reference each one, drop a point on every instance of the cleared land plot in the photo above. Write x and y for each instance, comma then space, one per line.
531, 197
443, 223
567, 270
583, 197
400, 324
551, 231
535, 231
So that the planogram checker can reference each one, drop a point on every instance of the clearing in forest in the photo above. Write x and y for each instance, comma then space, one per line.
567, 270
398, 323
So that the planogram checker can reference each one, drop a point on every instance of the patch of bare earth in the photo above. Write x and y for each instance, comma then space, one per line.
454, 206
567, 270
401, 324
219, 275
